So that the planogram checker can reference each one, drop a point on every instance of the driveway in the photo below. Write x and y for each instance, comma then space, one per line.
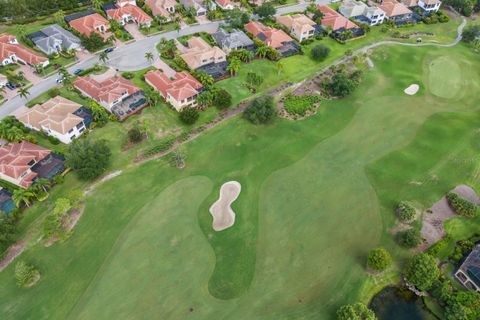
160, 64
202, 19
132, 28
30, 74
104, 76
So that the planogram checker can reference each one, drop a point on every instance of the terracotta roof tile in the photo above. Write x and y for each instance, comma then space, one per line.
335, 20
180, 87
273, 37
10, 47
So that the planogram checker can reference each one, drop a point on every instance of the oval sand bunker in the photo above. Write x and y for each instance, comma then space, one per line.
412, 89
221, 210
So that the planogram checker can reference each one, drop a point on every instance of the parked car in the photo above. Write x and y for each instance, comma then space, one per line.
10, 86
108, 50
78, 71
59, 80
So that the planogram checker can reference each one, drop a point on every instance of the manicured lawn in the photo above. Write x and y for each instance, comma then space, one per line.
316, 195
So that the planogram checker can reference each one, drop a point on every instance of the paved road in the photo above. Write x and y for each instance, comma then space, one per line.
131, 57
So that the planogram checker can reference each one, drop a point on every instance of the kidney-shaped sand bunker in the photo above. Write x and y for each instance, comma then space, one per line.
221, 210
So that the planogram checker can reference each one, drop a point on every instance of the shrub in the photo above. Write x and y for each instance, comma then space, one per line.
299, 105
222, 99
160, 147
379, 259
462, 206
405, 212
25, 274
409, 238
52, 93
320, 52
356, 311
462, 248
189, 116
261, 111
342, 84
422, 271
135, 135
128, 75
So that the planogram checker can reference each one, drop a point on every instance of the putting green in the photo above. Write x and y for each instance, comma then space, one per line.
317, 195
445, 77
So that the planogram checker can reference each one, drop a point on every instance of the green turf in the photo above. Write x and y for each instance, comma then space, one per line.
316, 195
445, 79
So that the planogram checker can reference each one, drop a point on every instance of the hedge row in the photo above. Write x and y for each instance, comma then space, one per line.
461, 206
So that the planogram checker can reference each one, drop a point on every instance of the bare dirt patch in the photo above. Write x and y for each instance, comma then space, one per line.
221, 210
434, 218
14, 251
106, 178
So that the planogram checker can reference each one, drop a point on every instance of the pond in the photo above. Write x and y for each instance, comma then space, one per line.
393, 303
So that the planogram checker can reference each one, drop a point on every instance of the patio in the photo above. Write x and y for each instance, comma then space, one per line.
50, 166
216, 70
129, 106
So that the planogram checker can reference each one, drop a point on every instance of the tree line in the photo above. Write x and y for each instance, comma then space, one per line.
16, 9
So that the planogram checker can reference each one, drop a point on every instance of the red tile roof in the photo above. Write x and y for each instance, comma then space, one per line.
107, 91
15, 158
223, 3
158, 7
393, 8
88, 24
181, 87
128, 9
9, 47
274, 37
335, 20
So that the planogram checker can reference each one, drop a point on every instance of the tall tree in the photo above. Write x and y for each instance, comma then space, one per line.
103, 56
89, 158
149, 56
23, 92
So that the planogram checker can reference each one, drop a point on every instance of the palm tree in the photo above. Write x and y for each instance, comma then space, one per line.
280, 66
205, 98
234, 66
149, 56
103, 56
59, 17
207, 4
41, 184
14, 134
22, 195
206, 79
73, 52
177, 27
39, 69
97, 4
262, 51
23, 92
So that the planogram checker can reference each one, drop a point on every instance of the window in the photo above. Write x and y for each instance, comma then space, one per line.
81, 130
70, 131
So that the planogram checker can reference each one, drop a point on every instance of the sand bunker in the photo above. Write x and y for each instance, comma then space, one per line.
432, 227
221, 210
412, 89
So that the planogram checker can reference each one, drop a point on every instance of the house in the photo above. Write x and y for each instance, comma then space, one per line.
54, 39
21, 163
127, 12
337, 23
87, 22
200, 56
299, 26
180, 91
225, 4
163, 8
197, 5
116, 94
361, 12
427, 6
13, 52
469, 272
233, 40
3, 80
274, 38
58, 117
397, 12
6, 203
